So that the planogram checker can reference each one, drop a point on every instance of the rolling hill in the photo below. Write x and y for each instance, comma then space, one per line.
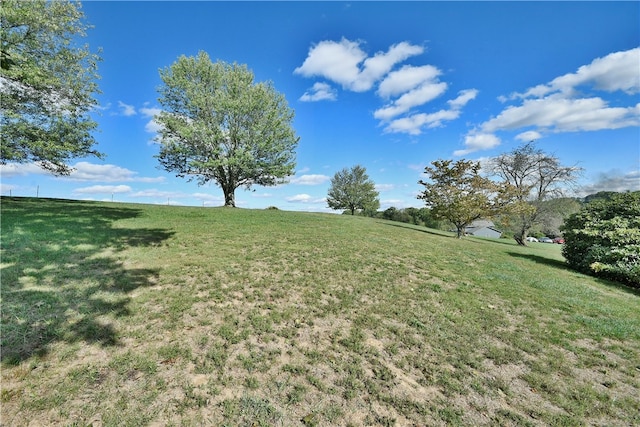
126, 314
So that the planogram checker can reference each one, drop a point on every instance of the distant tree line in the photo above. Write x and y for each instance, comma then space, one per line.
416, 216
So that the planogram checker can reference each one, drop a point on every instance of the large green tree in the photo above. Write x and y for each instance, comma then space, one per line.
537, 176
352, 189
47, 84
458, 193
218, 125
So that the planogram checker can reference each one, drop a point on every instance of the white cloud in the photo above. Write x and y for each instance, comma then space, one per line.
6, 188
157, 193
464, 96
413, 98
310, 179
150, 112
20, 169
564, 115
385, 187
105, 107
617, 71
126, 109
406, 79
336, 61
414, 167
530, 135
347, 64
564, 105
380, 64
85, 171
476, 142
208, 197
305, 198
404, 90
152, 126
262, 195
103, 189
82, 171
413, 124
613, 180
320, 92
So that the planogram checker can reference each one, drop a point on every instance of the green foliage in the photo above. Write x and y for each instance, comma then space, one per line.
554, 212
352, 189
536, 177
604, 238
390, 213
218, 125
413, 216
551, 215
459, 194
47, 83
599, 195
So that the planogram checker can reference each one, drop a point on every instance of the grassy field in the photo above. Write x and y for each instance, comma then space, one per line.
119, 314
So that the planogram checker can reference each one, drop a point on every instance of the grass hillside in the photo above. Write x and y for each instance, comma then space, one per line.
119, 314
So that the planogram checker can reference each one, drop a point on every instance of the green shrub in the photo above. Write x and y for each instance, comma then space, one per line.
604, 238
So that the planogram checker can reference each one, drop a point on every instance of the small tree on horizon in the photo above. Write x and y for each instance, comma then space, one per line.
218, 125
353, 190
456, 192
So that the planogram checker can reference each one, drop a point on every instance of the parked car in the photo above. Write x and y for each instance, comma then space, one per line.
545, 240
558, 240
531, 239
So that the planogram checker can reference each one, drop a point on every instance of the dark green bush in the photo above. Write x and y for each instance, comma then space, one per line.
604, 238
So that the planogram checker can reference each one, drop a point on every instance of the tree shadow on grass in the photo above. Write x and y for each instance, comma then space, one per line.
542, 260
61, 274
564, 266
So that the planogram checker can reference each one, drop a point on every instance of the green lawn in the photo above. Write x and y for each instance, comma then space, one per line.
122, 314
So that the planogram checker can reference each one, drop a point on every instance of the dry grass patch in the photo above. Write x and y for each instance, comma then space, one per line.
165, 316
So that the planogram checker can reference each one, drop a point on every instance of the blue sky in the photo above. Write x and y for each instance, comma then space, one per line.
391, 86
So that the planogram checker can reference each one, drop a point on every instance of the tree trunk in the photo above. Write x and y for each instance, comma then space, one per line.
229, 198
460, 231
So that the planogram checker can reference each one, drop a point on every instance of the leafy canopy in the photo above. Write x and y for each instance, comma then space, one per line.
604, 238
218, 125
456, 192
47, 84
536, 176
353, 190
